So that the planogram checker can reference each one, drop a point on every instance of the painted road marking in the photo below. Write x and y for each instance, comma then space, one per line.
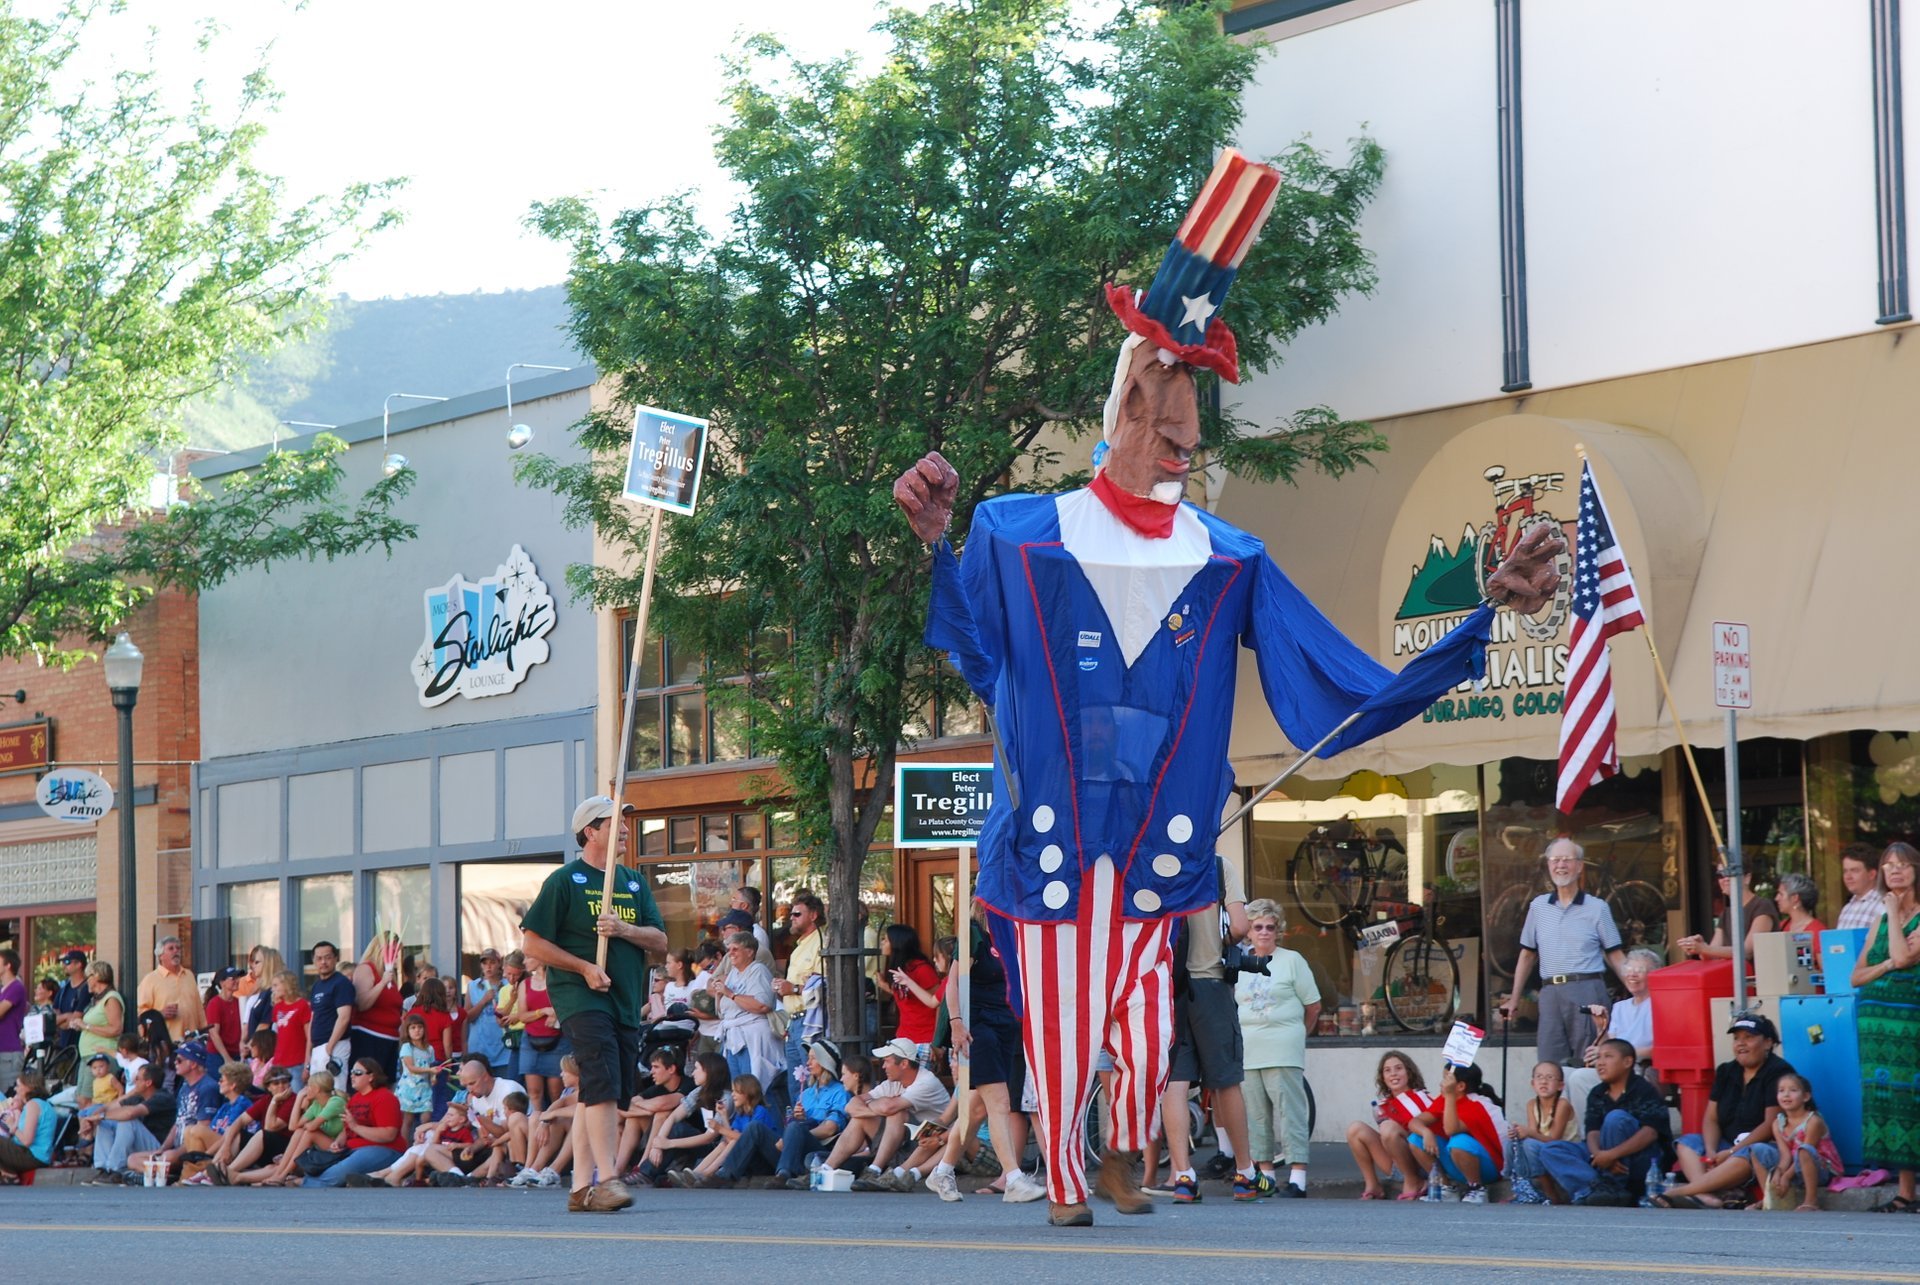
1702, 1270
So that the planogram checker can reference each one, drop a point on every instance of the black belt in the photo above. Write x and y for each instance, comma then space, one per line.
1561, 979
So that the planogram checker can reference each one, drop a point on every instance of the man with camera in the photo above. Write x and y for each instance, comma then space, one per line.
1207, 1048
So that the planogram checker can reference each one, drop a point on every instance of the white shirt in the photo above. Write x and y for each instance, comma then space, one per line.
926, 1096
491, 1106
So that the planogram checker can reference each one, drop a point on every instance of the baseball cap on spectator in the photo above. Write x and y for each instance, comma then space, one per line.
702, 1003
899, 1046
738, 921
74, 957
593, 809
227, 973
489, 953
1759, 1023
100, 1057
827, 1054
200, 1053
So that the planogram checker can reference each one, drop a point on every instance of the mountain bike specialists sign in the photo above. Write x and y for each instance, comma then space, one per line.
940, 805
484, 636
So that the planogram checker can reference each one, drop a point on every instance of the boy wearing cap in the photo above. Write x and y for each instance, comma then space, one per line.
599, 1008
72, 999
1736, 1137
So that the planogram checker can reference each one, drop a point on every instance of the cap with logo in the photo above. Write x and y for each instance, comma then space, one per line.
1758, 1023
595, 808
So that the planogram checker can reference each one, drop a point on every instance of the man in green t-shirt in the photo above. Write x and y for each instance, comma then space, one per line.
599, 1008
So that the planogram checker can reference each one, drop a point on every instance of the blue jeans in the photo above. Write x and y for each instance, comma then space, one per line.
756, 1152
1457, 1145
359, 1160
1764, 1155
1570, 1165
115, 1140
780, 1092
739, 1064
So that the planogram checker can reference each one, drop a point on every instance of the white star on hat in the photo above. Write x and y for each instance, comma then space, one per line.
1200, 309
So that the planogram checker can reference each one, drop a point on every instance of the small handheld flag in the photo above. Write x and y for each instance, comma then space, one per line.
1605, 603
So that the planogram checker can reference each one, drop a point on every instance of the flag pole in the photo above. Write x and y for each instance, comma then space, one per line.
1660, 673
1289, 770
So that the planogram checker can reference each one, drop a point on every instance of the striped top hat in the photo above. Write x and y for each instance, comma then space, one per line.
1180, 310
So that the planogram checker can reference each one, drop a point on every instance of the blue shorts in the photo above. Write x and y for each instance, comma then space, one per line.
1456, 1145
996, 1058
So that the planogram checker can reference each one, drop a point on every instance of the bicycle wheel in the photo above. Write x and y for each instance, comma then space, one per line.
1330, 880
1097, 1123
1505, 918
1422, 983
62, 1069
1640, 913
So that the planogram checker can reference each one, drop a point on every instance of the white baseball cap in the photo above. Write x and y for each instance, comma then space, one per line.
900, 1047
591, 810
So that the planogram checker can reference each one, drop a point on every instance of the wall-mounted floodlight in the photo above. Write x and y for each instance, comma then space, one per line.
395, 461
518, 435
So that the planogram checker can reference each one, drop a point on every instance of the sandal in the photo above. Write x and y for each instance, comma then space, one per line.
1677, 1202
1413, 1195
1373, 1195
1898, 1205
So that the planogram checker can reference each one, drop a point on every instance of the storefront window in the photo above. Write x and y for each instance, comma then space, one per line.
749, 831
716, 833
326, 914
692, 895
1342, 856
253, 919
494, 896
877, 894
674, 724
403, 904
1632, 857
55, 935
1862, 787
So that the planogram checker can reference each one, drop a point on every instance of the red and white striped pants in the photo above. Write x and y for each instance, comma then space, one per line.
1096, 981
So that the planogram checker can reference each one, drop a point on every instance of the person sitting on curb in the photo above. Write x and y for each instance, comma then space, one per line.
816, 1118
909, 1095
1746, 1098
1627, 1133
1381, 1148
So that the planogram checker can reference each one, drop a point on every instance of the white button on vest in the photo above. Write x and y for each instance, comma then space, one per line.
1051, 857
1055, 895
1180, 829
1166, 865
1147, 900
1042, 819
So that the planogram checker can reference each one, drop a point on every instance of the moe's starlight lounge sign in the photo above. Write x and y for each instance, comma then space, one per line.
483, 636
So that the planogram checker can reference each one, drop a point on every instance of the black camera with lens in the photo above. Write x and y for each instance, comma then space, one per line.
1236, 959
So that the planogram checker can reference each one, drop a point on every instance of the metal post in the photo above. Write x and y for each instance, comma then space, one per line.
1736, 918
124, 699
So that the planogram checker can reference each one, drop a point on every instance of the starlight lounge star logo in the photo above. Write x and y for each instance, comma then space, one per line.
482, 637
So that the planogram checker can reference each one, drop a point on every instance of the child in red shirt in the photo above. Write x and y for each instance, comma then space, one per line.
292, 1026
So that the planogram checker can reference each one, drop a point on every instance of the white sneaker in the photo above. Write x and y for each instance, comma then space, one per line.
1474, 1196
943, 1185
548, 1178
1022, 1187
524, 1179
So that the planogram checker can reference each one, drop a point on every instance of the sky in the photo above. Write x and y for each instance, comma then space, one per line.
484, 106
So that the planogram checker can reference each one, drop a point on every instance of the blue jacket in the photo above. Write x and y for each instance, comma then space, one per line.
1109, 663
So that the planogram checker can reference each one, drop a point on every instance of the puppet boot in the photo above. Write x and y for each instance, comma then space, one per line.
1116, 1184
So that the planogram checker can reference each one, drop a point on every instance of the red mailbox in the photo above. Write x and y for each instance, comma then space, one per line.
1683, 1029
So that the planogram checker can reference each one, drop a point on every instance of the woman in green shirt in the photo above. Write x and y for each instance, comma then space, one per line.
105, 1017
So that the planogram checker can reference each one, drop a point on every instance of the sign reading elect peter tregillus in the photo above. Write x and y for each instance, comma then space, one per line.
940, 805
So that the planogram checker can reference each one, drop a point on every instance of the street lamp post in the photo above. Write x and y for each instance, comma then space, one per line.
122, 663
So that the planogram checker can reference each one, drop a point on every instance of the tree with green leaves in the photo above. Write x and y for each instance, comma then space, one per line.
143, 255
916, 263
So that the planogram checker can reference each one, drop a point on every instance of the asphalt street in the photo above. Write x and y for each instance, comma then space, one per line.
428, 1235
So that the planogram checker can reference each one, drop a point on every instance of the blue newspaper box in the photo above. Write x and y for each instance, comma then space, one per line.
1819, 1036
1840, 950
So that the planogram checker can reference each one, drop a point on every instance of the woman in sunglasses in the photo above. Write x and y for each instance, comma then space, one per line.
1761, 916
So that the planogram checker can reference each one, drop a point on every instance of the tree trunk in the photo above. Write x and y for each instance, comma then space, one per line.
848, 1018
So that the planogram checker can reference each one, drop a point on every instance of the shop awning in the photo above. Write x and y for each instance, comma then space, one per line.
1770, 490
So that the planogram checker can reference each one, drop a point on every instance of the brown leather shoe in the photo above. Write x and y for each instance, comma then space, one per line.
1059, 1215
577, 1200
609, 1197
1116, 1184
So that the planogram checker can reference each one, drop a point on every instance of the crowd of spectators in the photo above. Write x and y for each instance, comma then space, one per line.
357, 1078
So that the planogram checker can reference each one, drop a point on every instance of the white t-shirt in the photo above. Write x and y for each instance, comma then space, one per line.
490, 1106
1273, 1011
1632, 1022
926, 1096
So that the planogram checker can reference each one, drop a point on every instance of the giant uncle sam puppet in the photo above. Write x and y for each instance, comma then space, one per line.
1098, 625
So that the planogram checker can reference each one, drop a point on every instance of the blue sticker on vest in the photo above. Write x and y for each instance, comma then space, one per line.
1089, 663
579, 877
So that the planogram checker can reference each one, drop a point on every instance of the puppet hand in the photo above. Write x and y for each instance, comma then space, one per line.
1530, 575
925, 493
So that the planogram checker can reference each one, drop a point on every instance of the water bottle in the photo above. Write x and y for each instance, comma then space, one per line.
816, 1168
1657, 1184
1436, 1190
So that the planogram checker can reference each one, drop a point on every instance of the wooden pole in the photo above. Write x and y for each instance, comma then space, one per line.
624, 749
963, 961
1666, 692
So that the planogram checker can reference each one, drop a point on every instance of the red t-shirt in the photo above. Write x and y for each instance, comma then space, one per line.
1477, 1119
374, 1109
223, 1015
382, 1017
291, 1023
438, 1025
283, 1119
916, 1018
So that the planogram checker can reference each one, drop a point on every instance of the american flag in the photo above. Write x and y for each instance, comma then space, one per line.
1605, 603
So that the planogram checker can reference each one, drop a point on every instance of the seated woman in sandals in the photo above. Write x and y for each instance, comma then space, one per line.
1736, 1139
1381, 1148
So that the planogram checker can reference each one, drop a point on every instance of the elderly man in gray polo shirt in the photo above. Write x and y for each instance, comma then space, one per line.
1573, 939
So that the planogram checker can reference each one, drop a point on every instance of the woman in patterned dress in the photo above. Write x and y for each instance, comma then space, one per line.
1889, 1012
